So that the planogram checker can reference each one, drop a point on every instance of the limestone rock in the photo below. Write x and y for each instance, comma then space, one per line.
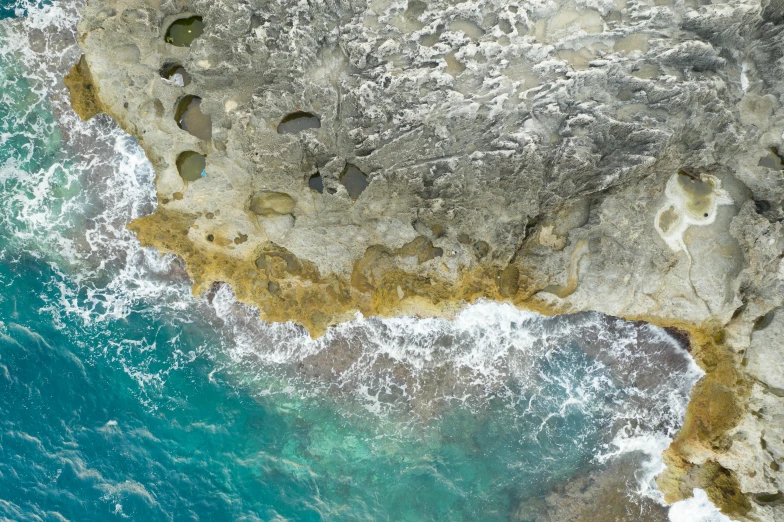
401, 156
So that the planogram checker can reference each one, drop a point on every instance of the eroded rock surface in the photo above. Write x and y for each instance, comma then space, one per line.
619, 156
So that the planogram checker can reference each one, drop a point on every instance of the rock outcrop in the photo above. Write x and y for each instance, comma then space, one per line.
407, 157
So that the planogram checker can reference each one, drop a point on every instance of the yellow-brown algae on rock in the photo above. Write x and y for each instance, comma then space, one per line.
717, 406
84, 99
526, 155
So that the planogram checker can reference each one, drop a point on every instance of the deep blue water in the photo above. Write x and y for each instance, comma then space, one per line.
122, 397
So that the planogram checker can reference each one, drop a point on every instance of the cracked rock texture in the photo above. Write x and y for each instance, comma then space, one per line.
623, 156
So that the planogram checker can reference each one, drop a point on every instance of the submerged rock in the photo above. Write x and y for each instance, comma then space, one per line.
409, 157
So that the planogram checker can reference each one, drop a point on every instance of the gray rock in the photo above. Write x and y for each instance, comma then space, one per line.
600, 155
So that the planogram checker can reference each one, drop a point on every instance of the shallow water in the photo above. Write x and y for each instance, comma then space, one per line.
122, 397
298, 122
191, 119
354, 180
315, 182
183, 32
191, 165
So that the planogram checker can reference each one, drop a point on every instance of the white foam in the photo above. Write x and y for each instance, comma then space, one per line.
489, 351
744, 78
697, 509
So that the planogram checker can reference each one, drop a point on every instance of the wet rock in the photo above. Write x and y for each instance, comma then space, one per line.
577, 157
80, 86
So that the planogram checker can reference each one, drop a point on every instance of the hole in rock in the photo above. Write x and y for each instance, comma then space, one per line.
354, 180
316, 183
183, 32
191, 165
190, 118
152, 108
421, 248
773, 160
775, 499
764, 321
505, 26
471, 29
298, 122
210, 238
261, 262
256, 21
761, 206
453, 66
481, 248
272, 203
415, 9
429, 252
175, 74
429, 40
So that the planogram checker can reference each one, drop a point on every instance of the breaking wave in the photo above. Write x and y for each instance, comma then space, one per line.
527, 402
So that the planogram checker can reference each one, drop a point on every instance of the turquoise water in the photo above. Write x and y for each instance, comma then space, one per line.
122, 397
16, 8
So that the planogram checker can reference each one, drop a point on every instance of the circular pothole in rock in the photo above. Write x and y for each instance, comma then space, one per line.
272, 204
175, 74
189, 118
298, 122
184, 31
191, 165
152, 108
354, 180
315, 182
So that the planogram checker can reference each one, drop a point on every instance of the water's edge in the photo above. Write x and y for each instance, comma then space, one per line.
125, 397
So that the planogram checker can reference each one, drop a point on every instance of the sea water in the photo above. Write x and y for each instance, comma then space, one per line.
123, 397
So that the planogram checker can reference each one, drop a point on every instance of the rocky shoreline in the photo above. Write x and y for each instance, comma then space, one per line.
409, 157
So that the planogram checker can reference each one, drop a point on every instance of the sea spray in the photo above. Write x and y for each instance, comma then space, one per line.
697, 509
132, 399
